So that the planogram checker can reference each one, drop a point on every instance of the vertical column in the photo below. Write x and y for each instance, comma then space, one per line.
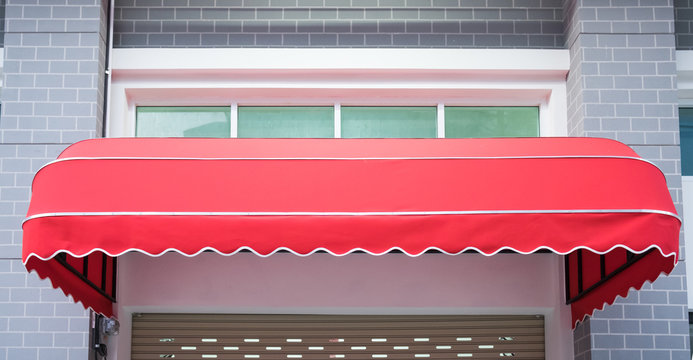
52, 96
622, 85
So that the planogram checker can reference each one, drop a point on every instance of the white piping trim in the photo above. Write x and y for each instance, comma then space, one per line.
358, 158
348, 213
321, 249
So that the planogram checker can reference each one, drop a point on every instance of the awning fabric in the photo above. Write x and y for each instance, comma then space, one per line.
344, 195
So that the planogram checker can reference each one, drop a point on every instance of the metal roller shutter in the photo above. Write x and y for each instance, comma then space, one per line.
274, 337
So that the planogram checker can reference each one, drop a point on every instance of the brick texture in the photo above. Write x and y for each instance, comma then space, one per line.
52, 96
622, 85
683, 11
339, 23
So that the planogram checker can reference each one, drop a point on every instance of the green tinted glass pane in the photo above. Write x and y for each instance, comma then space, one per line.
388, 122
686, 132
183, 121
286, 122
496, 121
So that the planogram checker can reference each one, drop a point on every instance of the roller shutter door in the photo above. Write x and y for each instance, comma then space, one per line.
275, 337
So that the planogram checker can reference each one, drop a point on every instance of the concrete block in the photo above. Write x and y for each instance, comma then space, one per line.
669, 312
391, 27
255, 26
608, 341
241, 39
77, 354
164, 13
212, 13
379, 39
679, 327
410, 40
669, 342
625, 355
38, 339
350, 14
21, 354
361, 26
611, 13
500, 27
432, 40
25, 294
459, 14
486, 14
296, 39
52, 353
351, 39
268, 39
79, 324
414, 26
431, 14
624, 326
134, 13
310, 27
344, 27
23, 324
72, 340
297, 14
205, 39
194, 13
640, 341
451, 27
487, 40
513, 13
227, 26
625, 27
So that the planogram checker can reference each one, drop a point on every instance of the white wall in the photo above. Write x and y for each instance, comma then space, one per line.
352, 284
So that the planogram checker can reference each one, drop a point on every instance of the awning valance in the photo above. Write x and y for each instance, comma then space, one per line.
577, 196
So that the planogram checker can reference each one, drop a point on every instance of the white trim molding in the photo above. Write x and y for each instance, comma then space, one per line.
473, 60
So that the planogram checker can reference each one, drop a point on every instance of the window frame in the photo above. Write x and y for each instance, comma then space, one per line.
440, 121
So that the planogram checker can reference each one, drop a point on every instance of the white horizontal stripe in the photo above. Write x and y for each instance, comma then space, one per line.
349, 213
356, 249
358, 158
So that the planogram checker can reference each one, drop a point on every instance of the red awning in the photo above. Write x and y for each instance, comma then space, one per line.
578, 196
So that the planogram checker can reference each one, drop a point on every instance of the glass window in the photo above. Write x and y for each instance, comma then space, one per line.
686, 133
388, 122
286, 122
491, 121
183, 121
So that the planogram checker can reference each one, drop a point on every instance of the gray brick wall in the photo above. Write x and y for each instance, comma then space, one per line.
622, 85
2, 23
582, 348
51, 97
683, 12
339, 23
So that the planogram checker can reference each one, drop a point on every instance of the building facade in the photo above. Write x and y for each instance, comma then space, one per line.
78, 69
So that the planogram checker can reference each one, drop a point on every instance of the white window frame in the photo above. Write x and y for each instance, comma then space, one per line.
336, 119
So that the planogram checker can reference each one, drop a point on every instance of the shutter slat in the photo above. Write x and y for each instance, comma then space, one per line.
335, 337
